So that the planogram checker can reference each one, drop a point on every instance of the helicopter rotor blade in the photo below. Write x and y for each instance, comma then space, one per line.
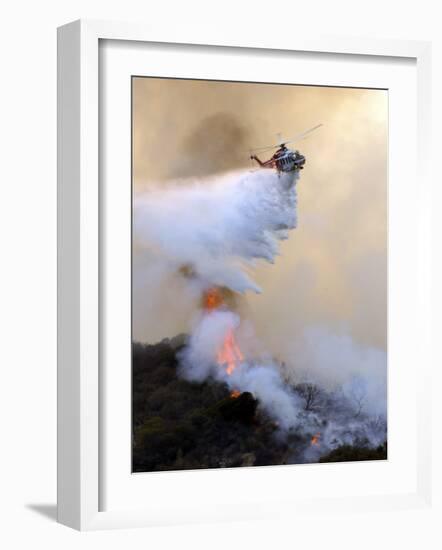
262, 149
291, 140
303, 134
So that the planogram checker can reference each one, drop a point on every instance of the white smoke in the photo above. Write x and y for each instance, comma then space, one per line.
259, 376
218, 230
221, 227
335, 360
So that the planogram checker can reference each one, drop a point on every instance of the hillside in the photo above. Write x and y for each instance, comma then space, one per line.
182, 425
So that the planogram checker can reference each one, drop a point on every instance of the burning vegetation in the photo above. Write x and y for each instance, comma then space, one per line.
315, 439
215, 398
186, 425
200, 403
228, 355
180, 424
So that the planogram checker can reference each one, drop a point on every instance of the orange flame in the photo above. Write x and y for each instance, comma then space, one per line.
230, 353
315, 439
234, 394
213, 299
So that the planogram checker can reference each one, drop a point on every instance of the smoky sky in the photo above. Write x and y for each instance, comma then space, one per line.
332, 271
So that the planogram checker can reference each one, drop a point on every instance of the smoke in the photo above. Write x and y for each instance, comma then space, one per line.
333, 271
215, 145
321, 317
334, 360
218, 229
347, 380
252, 373
212, 233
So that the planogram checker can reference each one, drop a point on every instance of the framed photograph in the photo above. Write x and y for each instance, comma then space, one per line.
243, 301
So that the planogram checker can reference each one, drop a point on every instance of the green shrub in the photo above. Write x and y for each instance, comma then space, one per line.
348, 453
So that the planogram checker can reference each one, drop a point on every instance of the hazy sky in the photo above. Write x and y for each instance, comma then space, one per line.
333, 269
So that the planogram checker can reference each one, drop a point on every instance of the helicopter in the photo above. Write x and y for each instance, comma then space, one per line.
284, 159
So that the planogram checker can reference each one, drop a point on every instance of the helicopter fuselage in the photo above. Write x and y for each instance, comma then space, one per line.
284, 160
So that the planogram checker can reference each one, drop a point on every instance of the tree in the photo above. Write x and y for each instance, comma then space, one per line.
310, 393
356, 392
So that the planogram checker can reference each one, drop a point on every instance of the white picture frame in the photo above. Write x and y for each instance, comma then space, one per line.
79, 273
